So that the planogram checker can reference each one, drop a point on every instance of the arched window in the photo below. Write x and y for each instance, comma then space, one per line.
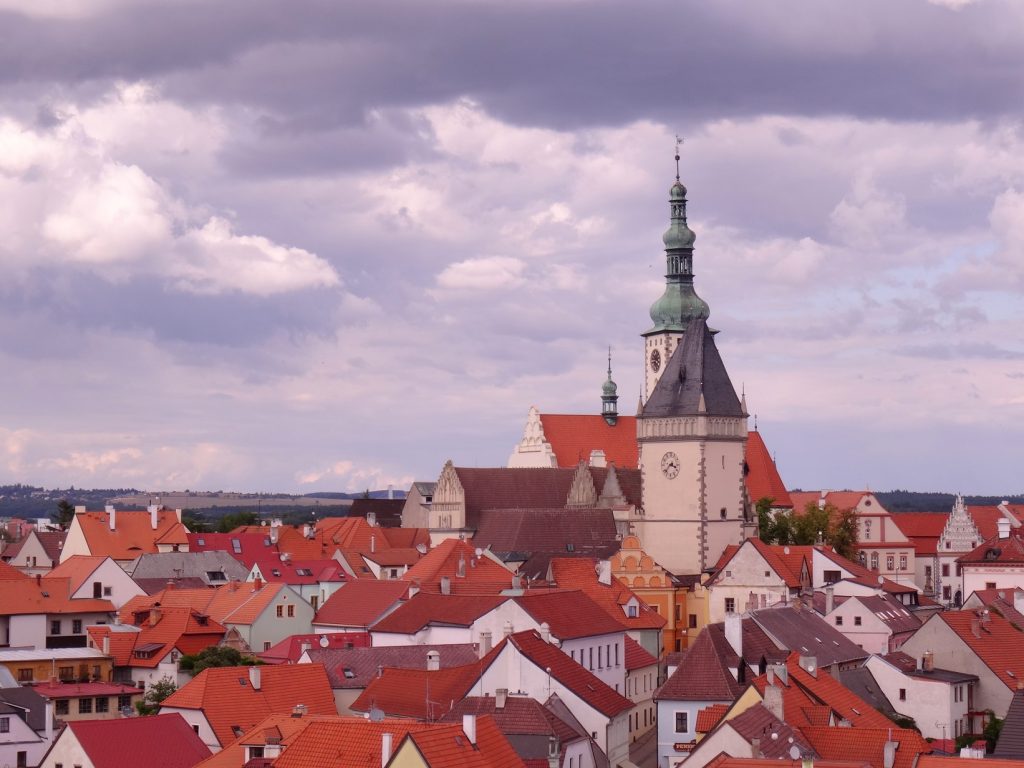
874, 561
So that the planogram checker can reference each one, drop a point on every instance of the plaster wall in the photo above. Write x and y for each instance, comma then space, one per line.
67, 751
930, 702
110, 575
194, 718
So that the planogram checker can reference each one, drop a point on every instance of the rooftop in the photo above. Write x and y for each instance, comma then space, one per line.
164, 740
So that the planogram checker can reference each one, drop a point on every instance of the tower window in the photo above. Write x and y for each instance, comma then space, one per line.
723, 513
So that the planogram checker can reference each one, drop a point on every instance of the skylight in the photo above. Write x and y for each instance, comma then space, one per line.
236, 546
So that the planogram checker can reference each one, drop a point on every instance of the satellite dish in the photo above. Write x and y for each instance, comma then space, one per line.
794, 752
324, 641
376, 714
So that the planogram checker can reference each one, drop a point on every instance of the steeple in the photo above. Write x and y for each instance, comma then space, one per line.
609, 396
679, 304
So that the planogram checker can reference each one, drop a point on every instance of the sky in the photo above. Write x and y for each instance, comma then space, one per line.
322, 245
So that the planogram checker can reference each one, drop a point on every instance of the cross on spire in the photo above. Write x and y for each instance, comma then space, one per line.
679, 143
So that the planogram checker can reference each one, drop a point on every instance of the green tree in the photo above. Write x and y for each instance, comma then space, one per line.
64, 515
196, 524
812, 525
157, 692
774, 527
216, 656
233, 520
843, 533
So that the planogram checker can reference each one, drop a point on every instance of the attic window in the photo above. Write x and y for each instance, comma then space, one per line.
237, 730
236, 546
570, 547
201, 541
216, 576
303, 572
349, 673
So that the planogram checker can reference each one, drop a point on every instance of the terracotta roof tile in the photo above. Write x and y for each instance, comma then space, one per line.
290, 650
637, 657
448, 747
701, 676
987, 517
570, 614
762, 479
133, 532
756, 722
997, 552
434, 609
588, 532
574, 436
519, 716
50, 596
77, 569
866, 744
581, 573
481, 575
10, 573
232, 603
358, 667
350, 742
167, 628
709, 717
244, 547
922, 528
418, 693
997, 643
164, 740
361, 603
284, 724
228, 699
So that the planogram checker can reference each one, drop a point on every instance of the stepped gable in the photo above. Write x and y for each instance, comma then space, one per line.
700, 676
574, 436
762, 476
694, 381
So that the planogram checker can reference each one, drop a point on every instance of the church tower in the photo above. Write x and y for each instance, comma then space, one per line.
692, 427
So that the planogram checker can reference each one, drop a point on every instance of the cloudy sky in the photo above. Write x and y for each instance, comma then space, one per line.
323, 245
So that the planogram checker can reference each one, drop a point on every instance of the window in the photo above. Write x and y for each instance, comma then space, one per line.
890, 562
903, 562
945, 569
291, 611
124, 700
947, 593
102, 704
856, 621
108, 591
990, 585
85, 706
314, 600
55, 627
24, 675
5, 725
831, 577
723, 513
266, 645
631, 611
22, 760
874, 561
66, 673
280, 611
839, 621
61, 707
682, 722
76, 627
679, 613
730, 605
590, 657
903, 694
97, 589
616, 654
693, 621
600, 664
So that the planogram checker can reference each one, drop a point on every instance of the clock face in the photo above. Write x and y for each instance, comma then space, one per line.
655, 361
670, 465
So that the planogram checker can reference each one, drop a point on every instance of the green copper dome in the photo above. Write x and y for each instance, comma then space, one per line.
678, 305
609, 388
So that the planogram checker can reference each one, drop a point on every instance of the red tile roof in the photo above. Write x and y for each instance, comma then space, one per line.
637, 657
358, 667
133, 533
866, 744
996, 552
161, 631
361, 603
997, 643
10, 573
428, 608
569, 614
419, 693
62, 690
50, 596
228, 699
282, 726
164, 740
519, 716
290, 650
762, 479
700, 676
581, 573
232, 603
922, 528
574, 436
244, 547
986, 518
449, 747
77, 569
789, 562
273, 569
709, 717
481, 575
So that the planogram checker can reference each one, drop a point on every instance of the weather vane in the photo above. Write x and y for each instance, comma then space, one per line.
679, 143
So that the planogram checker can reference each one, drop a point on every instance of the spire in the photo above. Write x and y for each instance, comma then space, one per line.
609, 396
679, 304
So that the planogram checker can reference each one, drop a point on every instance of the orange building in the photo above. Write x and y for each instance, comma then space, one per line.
656, 587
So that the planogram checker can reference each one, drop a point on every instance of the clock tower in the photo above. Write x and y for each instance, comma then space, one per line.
692, 427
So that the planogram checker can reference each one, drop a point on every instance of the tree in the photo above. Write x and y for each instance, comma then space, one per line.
64, 515
774, 528
157, 692
843, 534
215, 656
233, 520
196, 524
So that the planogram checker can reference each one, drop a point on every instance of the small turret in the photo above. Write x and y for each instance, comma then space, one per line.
610, 396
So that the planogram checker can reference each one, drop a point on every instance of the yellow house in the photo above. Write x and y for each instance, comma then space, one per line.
656, 587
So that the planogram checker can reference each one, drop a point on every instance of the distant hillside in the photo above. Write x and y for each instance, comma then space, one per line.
917, 501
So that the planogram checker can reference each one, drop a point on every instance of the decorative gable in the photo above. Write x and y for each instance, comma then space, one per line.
448, 510
960, 534
582, 492
533, 450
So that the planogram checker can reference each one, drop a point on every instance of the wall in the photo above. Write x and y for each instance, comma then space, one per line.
592, 653
268, 628
872, 635
930, 702
28, 631
74, 542
667, 735
640, 685
745, 573
32, 552
195, 717
67, 751
44, 669
67, 625
20, 738
110, 574
427, 636
974, 579
113, 711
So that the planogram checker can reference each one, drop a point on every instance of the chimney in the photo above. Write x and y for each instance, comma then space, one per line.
517, 582
507, 628
304, 646
154, 616
373, 544
755, 749
153, 515
554, 751
1003, 526
177, 514
780, 672
306, 530
772, 701
734, 632
385, 749
273, 534
460, 567
469, 728
446, 585
928, 662
111, 516
889, 753
975, 626
545, 632
433, 661
391, 491
79, 510
371, 519
809, 664
604, 572
254, 677
257, 584
485, 643
39, 579
299, 710
48, 714
169, 584
106, 645
830, 600
500, 697
821, 499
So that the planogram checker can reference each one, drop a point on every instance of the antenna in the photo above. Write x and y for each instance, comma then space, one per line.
679, 143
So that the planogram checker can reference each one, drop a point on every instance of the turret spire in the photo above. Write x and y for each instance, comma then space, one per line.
610, 396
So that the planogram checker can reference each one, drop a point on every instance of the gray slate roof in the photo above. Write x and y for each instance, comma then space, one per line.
806, 632
24, 698
172, 565
1011, 740
693, 370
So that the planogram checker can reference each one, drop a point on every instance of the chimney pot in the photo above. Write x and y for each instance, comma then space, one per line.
485, 643
385, 749
500, 697
255, 681
433, 660
469, 727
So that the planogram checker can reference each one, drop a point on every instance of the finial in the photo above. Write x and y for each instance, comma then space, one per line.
679, 143
609, 361
755, 422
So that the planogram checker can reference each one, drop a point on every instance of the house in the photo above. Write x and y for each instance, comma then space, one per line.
67, 664
97, 700
256, 615
979, 643
208, 567
997, 563
756, 575
536, 731
35, 553
222, 703
641, 682
148, 650
314, 580
877, 623
386, 513
164, 740
938, 700
657, 589
429, 618
246, 548
750, 731
476, 743
1008, 603
802, 630
41, 613
359, 605
456, 567
26, 724
878, 747
290, 650
124, 535
416, 506
351, 670
97, 577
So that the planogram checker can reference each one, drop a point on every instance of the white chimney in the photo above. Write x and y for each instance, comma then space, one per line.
1003, 526
500, 697
371, 519
734, 632
106, 645
469, 728
772, 701
48, 714
809, 664
604, 572
485, 643
460, 567
177, 514
391, 491
79, 510
889, 753
446, 585
111, 516
153, 510
305, 530
385, 749
273, 534
507, 628
254, 677
545, 632
373, 544
1018, 600
830, 600
433, 661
